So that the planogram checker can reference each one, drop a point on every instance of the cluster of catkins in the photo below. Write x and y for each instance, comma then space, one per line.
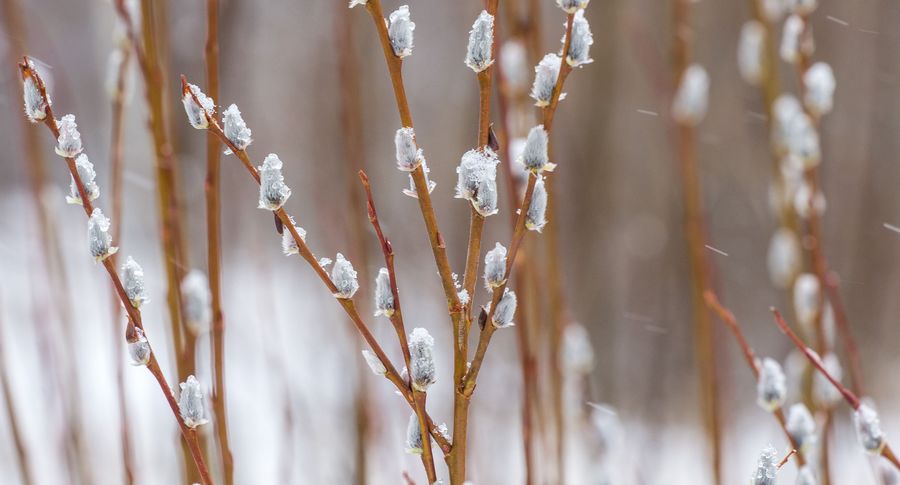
195, 293
772, 394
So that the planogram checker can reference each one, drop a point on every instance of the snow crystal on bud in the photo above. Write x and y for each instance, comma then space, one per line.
69, 141
582, 39
354, 3
868, 429
824, 392
400, 31
495, 267
578, 353
408, 155
535, 218
506, 310
384, 298
99, 238
771, 388
411, 191
784, 258
751, 51
546, 74
196, 300
481, 42
514, 62
692, 98
374, 363
805, 202
820, 84
344, 277
133, 281
413, 436
806, 476
571, 6
806, 300
766, 467
139, 349
235, 129
534, 153
198, 114
190, 403
477, 180
35, 104
273, 192
88, 177
793, 40
421, 345
801, 426
288, 243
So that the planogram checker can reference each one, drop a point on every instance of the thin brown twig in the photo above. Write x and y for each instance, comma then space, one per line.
133, 313
852, 399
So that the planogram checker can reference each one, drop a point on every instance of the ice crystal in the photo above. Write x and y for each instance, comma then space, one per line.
236, 129
374, 363
495, 267
766, 467
506, 310
69, 141
400, 31
139, 349
273, 192
198, 114
801, 426
384, 298
133, 281
99, 238
771, 388
409, 156
477, 180
344, 277
868, 429
190, 403
421, 345
35, 104
288, 243
88, 178
481, 42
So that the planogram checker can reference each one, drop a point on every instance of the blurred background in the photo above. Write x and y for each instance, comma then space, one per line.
294, 377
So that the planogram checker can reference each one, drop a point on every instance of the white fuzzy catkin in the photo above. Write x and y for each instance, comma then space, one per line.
35, 104
805, 203
803, 140
354, 3
413, 436
481, 42
235, 128
751, 51
546, 73
133, 281
477, 180
411, 191
273, 192
374, 363
139, 350
578, 353
88, 177
801, 425
99, 238
409, 156
766, 467
344, 277
506, 310
868, 429
288, 243
692, 98
190, 403
807, 294
69, 141
536, 216
198, 115
495, 267
196, 301
805, 476
820, 84
792, 40
825, 394
384, 297
514, 62
400, 31
784, 257
771, 388
582, 40
421, 357
534, 153
572, 6
786, 107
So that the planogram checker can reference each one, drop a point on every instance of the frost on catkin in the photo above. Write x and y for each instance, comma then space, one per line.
99, 238
344, 277
133, 281
384, 298
88, 178
198, 114
692, 96
481, 42
196, 301
536, 216
139, 349
288, 243
413, 436
412, 191
400, 31
506, 310
421, 345
582, 39
766, 467
771, 388
868, 429
273, 192
69, 140
190, 403
35, 104
825, 394
477, 180
409, 156
546, 74
236, 129
374, 363
534, 156
801, 426
495, 267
